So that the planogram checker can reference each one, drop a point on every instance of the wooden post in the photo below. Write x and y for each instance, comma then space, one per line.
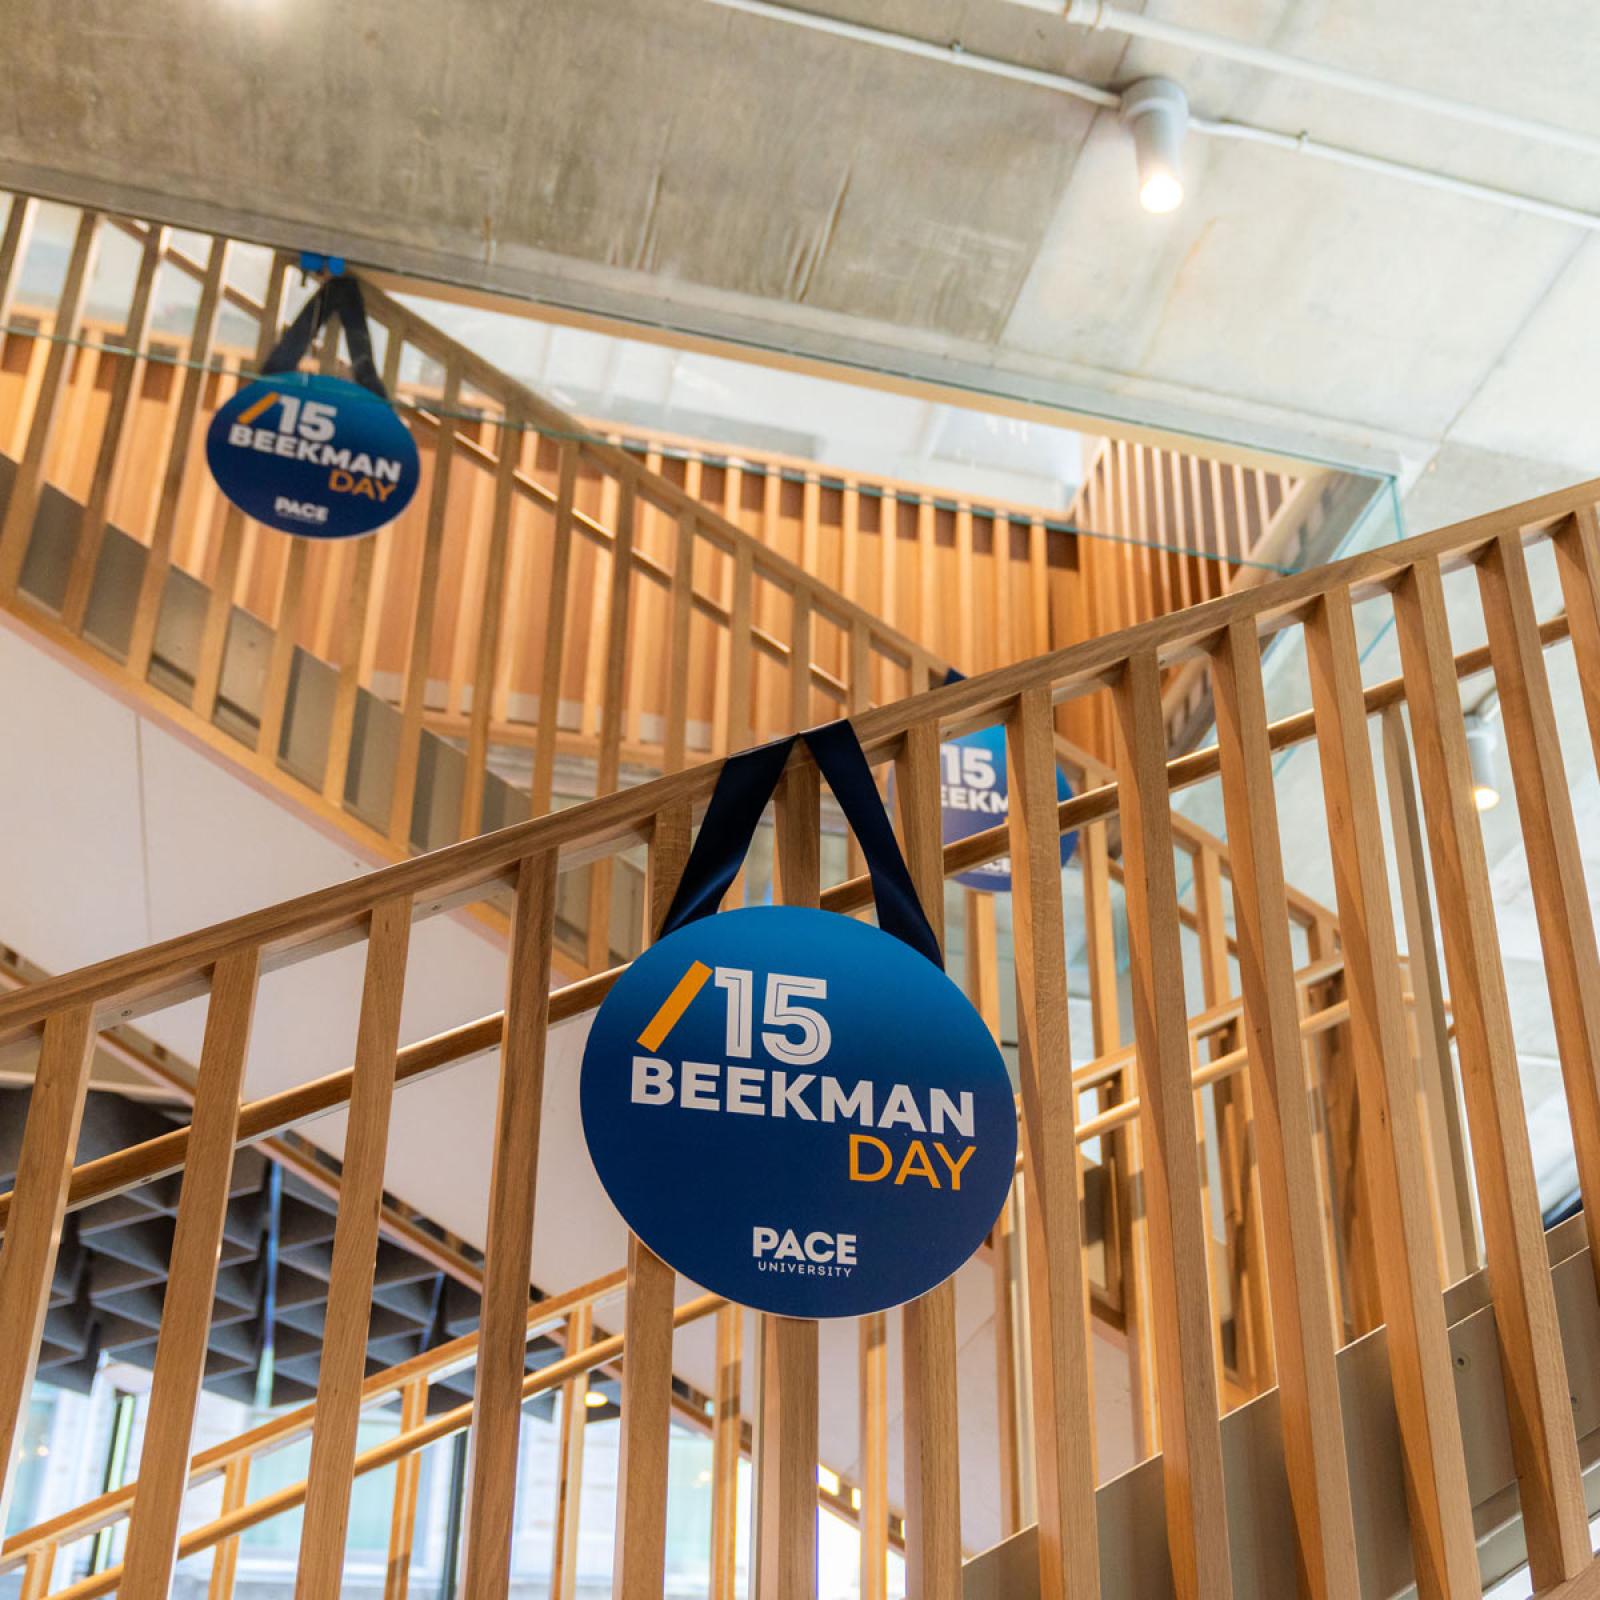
928, 1325
1191, 1441
1422, 1374
569, 1463
508, 1242
874, 1422
225, 1560
639, 1559
407, 1481
1063, 1382
355, 1251
555, 632
196, 1244
727, 1429
1544, 1445
1302, 1316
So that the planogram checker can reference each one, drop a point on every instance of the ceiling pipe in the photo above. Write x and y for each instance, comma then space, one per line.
1096, 14
1095, 94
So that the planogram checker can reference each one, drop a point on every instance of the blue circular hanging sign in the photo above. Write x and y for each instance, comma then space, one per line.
974, 797
798, 1111
312, 454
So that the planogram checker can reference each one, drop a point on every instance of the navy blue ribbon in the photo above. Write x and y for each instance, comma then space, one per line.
335, 298
744, 787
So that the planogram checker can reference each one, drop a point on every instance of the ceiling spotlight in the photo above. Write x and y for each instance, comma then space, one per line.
1481, 746
594, 1399
1157, 112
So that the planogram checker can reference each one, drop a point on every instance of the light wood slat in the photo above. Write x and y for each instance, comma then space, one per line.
787, 1397
113, 432
16, 528
1577, 550
929, 632
873, 1410
212, 653
1005, 1247
14, 248
33, 1227
1544, 1444
196, 1244
928, 1325
569, 1463
225, 1562
736, 731
1063, 1379
508, 1241
888, 563
1302, 1313
800, 651
639, 1556
1191, 1443
965, 609
37, 1573
608, 765
1550, 835
1420, 1361
280, 660
355, 1248
544, 753
727, 1428
491, 612
407, 1482
1454, 1208
419, 655
158, 557
674, 741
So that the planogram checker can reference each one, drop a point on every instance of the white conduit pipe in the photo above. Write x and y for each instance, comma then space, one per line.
1097, 14
1300, 144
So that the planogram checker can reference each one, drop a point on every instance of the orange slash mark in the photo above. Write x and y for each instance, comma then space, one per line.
674, 1006
251, 413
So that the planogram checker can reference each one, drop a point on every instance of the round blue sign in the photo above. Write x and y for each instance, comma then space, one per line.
974, 797
798, 1111
313, 455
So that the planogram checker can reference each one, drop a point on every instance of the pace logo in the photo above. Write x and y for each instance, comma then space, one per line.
313, 454
798, 1111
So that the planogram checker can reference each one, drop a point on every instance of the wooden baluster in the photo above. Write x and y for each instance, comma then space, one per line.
1063, 1381
491, 612
736, 732
873, 1406
1007, 1264
928, 1325
639, 1558
1577, 550
727, 1429
1446, 1152
158, 557
14, 249
1191, 1442
37, 1572
786, 1461
555, 631
800, 653
569, 1463
1423, 1377
225, 1560
967, 641
1302, 1311
363, 605
219, 602
1555, 867
113, 431
608, 766
929, 633
196, 1244
419, 657
680, 613
1544, 1445
33, 1223
355, 1251
888, 564
16, 529
508, 1244
407, 1481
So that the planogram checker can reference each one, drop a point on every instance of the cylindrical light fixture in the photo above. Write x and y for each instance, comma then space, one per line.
1157, 113
1482, 743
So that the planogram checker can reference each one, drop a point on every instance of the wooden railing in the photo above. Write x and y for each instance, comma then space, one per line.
1406, 582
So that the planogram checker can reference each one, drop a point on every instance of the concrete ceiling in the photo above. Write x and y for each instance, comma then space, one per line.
670, 161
